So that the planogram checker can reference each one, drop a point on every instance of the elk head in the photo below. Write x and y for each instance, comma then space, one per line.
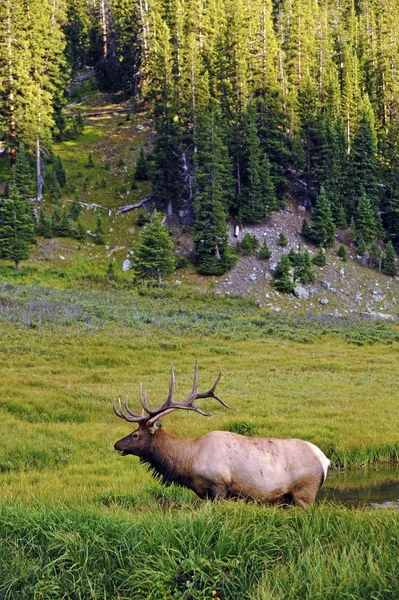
140, 440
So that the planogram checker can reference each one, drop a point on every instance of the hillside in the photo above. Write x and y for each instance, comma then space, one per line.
113, 135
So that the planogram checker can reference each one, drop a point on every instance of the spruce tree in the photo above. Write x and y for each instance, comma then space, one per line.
76, 208
142, 172
153, 258
389, 262
167, 174
59, 171
16, 227
304, 270
44, 226
322, 229
264, 253
342, 253
99, 231
212, 253
22, 174
366, 228
283, 275
282, 240
319, 259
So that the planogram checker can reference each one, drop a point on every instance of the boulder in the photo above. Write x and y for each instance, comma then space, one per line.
301, 293
323, 300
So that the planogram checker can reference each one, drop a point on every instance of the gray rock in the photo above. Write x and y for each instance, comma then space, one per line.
376, 315
301, 293
252, 277
323, 300
326, 285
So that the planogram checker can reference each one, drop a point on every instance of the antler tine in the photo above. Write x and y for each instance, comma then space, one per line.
211, 393
172, 383
195, 383
130, 411
132, 419
143, 400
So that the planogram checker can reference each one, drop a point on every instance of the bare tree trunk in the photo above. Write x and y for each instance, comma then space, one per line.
39, 177
103, 18
169, 208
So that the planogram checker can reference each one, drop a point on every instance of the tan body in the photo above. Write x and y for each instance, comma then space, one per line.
226, 465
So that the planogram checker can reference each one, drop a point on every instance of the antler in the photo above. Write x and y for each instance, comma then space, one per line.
170, 403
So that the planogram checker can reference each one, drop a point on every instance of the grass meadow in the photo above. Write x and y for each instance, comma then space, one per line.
78, 521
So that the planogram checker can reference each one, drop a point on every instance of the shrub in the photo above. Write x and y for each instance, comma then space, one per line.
342, 253
264, 253
248, 245
320, 258
282, 240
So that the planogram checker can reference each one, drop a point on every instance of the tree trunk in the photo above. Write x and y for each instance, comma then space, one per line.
17, 264
38, 172
169, 209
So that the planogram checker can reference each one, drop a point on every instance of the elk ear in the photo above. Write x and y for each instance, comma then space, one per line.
153, 428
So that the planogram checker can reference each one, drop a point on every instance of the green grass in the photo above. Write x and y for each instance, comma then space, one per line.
78, 521
213, 551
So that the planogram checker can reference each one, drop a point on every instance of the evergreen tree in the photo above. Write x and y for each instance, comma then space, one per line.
389, 263
284, 275
60, 172
16, 228
80, 232
44, 226
52, 188
61, 222
322, 229
366, 228
153, 258
99, 231
167, 174
76, 208
90, 161
264, 253
142, 171
319, 259
364, 168
22, 175
282, 240
342, 253
304, 270
213, 255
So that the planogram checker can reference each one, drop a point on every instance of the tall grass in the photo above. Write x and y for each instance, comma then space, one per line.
215, 551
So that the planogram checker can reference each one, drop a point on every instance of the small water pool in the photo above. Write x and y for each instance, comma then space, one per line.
374, 487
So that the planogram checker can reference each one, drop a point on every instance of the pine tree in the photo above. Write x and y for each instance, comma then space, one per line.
322, 229
44, 226
304, 270
213, 255
342, 253
282, 240
16, 228
167, 173
319, 259
389, 263
153, 258
366, 227
76, 208
22, 174
264, 253
61, 222
80, 232
142, 172
52, 187
90, 161
99, 231
60, 172
283, 275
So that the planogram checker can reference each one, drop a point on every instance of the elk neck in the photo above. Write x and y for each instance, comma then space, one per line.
170, 458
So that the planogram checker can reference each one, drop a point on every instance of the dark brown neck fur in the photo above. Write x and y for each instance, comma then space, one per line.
169, 459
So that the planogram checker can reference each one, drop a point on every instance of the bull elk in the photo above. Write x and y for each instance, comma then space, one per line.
221, 464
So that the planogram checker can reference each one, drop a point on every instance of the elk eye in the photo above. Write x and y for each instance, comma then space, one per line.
134, 435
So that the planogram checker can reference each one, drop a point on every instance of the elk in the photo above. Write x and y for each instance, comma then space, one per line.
222, 464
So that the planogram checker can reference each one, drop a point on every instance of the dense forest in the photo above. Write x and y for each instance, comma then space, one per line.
250, 99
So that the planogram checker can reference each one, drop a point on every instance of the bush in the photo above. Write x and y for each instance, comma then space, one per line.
264, 253
342, 253
248, 245
320, 258
282, 240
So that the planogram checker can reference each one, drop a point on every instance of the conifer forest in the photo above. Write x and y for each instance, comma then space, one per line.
249, 100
